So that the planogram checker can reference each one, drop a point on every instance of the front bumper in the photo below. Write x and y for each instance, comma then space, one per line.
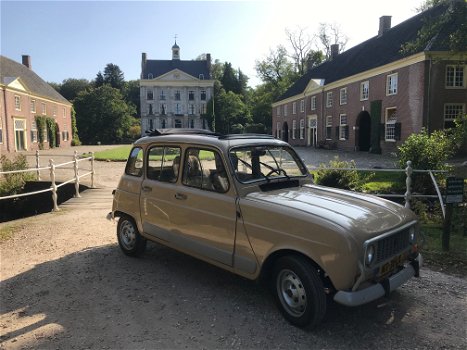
378, 290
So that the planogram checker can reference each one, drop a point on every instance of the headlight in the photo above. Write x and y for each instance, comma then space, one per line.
370, 254
412, 235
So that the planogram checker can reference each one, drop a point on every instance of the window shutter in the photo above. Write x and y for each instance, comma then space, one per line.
397, 131
346, 132
337, 132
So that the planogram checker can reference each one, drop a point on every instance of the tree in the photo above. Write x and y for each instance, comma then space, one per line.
301, 46
99, 81
102, 115
70, 88
229, 79
230, 110
330, 34
132, 95
114, 76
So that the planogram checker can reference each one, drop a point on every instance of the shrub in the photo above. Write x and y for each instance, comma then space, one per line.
13, 183
345, 179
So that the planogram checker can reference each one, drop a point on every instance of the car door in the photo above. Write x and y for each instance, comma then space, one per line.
204, 215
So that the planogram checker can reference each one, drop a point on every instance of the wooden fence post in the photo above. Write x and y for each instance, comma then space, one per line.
54, 185
92, 170
38, 173
77, 195
408, 184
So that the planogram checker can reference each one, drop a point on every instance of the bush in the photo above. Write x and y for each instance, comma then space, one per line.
13, 183
345, 179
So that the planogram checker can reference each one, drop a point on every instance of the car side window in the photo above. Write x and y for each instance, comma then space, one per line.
163, 163
134, 165
204, 169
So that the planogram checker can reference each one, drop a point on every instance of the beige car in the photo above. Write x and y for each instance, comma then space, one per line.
247, 204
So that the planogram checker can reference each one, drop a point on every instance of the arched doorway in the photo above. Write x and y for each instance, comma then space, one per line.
363, 131
285, 132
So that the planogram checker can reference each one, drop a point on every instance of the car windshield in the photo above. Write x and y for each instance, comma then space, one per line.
255, 163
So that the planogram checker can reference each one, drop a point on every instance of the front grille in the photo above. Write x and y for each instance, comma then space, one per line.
392, 245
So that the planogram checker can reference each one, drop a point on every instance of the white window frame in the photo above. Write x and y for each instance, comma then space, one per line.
278, 111
33, 106
278, 130
329, 99
343, 123
64, 112
450, 113
54, 111
33, 131
343, 96
203, 95
17, 102
313, 103
458, 77
294, 108
294, 129
328, 125
302, 129
44, 108
392, 84
390, 124
191, 95
285, 110
364, 90
302, 106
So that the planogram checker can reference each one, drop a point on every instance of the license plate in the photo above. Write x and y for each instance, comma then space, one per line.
392, 265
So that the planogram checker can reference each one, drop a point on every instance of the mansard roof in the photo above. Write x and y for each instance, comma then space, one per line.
376, 52
35, 84
161, 67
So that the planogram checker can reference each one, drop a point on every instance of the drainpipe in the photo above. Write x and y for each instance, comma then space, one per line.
7, 136
429, 97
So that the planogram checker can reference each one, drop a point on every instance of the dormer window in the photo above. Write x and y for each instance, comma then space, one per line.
150, 76
201, 77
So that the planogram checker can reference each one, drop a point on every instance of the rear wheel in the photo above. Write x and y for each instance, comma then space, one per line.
299, 291
129, 239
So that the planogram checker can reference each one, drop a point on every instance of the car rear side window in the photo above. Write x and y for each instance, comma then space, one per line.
134, 165
163, 163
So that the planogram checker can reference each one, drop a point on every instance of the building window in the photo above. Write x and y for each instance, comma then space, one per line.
329, 127
163, 109
364, 90
343, 128
294, 129
329, 99
302, 106
313, 103
150, 76
391, 84
192, 123
455, 76
202, 108
17, 103
451, 112
33, 132
191, 95
285, 111
203, 95
150, 109
302, 129
343, 96
177, 95
391, 120
294, 108
44, 109
201, 77
162, 96
150, 95
178, 123
65, 134
191, 109
178, 109
278, 130
64, 112
33, 106
55, 111
163, 123
278, 111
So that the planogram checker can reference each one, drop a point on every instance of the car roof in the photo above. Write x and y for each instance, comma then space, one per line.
207, 138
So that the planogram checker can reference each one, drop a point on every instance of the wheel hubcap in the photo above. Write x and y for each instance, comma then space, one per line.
128, 235
291, 293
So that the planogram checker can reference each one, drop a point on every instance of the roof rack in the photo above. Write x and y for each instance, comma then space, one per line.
245, 136
180, 131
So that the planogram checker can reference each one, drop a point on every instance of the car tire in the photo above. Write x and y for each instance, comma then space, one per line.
129, 239
298, 291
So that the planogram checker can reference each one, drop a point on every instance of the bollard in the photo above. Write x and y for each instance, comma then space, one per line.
77, 195
38, 173
408, 184
54, 185
92, 169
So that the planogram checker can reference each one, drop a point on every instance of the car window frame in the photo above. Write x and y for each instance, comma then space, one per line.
131, 163
164, 153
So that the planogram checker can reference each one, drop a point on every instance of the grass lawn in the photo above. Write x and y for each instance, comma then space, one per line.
119, 154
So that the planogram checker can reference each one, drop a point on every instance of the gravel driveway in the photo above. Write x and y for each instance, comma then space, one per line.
66, 285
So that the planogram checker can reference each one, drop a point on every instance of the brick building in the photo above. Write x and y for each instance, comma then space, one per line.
174, 93
23, 97
372, 96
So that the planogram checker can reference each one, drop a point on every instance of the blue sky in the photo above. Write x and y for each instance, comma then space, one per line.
76, 39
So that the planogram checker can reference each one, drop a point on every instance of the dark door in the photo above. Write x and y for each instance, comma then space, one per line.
364, 131
285, 132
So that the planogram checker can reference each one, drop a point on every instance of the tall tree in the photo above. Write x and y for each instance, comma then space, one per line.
99, 81
132, 95
330, 34
102, 115
70, 88
113, 76
301, 46
229, 79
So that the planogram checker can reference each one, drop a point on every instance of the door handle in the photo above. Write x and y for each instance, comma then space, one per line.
180, 196
147, 189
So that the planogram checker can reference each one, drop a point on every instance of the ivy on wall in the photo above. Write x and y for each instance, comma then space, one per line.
46, 125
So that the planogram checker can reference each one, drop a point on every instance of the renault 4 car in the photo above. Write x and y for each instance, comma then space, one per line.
248, 204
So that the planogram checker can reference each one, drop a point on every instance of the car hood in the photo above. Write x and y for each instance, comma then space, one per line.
363, 214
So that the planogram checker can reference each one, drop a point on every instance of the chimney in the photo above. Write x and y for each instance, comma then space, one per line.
334, 51
27, 61
384, 25
143, 64
208, 63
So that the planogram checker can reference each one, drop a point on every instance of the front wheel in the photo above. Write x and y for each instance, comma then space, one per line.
129, 239
298, 291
